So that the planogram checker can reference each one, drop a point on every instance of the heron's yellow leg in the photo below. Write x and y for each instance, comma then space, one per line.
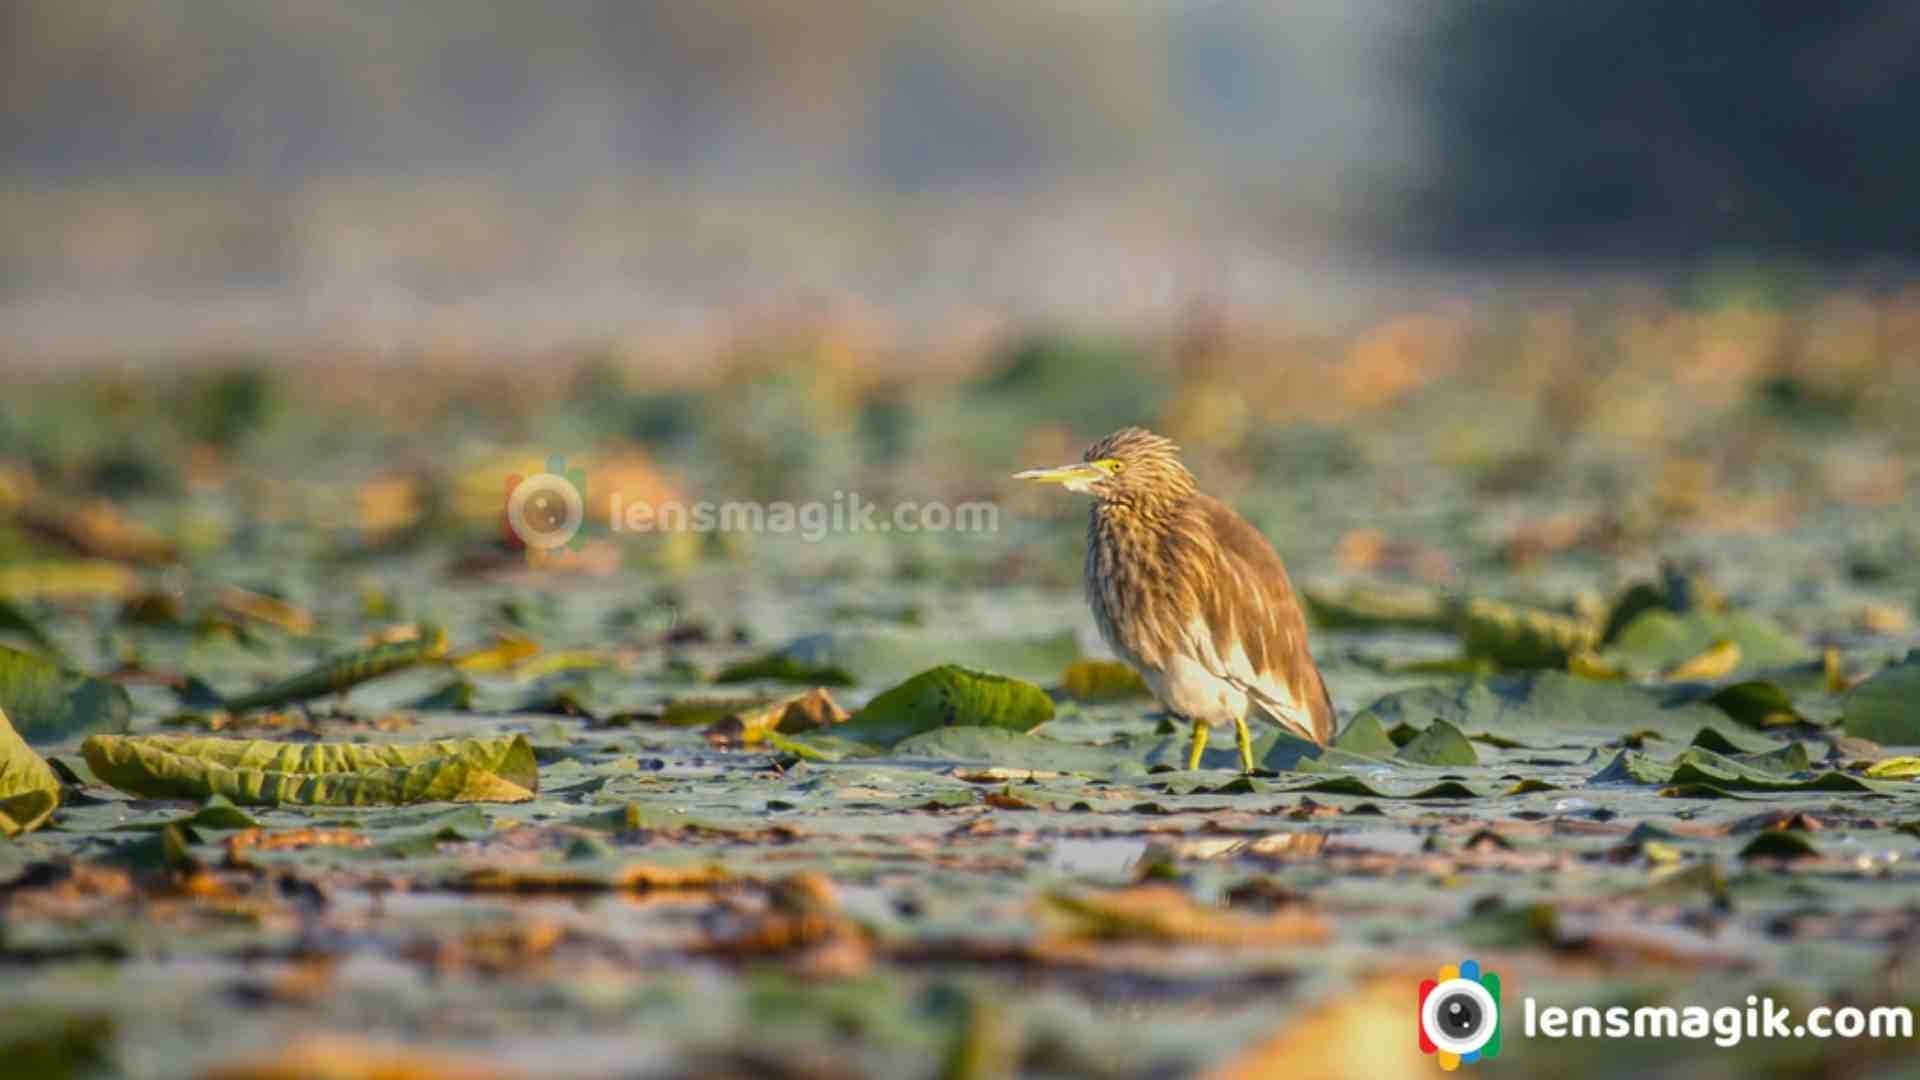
1200, 731
1245, 739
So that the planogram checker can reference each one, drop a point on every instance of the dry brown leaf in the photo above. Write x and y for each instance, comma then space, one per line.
809, 711
387, 504
267, 609
635, 876
99, 530
240, 843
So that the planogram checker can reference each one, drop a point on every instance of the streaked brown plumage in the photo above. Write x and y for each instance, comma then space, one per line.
1191, 595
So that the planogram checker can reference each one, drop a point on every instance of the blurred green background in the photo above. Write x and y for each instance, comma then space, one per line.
180, 174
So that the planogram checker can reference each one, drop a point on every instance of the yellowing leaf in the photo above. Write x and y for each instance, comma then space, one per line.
68, 579
29, 789
500, 656
1715, 661
1163, 913
1360, 1033
1898, 768
1591, 665
260, 772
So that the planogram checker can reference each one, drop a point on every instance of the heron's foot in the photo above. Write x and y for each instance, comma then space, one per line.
1245, 738
1200, 732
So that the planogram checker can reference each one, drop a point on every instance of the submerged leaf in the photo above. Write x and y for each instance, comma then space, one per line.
1541, 701
1015, 749
260, 772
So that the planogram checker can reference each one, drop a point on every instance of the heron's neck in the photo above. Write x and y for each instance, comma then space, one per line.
1138, 517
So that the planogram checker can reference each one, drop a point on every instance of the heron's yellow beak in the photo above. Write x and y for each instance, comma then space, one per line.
1076, 477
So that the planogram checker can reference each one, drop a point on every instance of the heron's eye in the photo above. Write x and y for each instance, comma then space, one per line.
1114, 468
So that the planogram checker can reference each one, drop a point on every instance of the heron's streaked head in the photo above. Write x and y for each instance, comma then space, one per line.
1132, 466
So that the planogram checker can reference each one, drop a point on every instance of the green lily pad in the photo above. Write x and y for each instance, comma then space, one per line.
18, 620
259, 772
1780, 844
1375, 607
1365, 734
1886, 708
1521, 637
48, 704
1014, 749
1096, 681
1756, 704
1440, 744
1735, 742
949, 696
1658, 639
342, 673
881, 657
781, 667
1541, 701
1353, 785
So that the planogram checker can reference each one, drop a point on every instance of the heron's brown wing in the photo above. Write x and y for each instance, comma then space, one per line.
1252, 607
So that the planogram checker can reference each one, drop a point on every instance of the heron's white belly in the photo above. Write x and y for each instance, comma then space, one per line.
1188, 689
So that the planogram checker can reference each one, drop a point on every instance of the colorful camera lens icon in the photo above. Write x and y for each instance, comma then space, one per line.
1460, 1015
546, 512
